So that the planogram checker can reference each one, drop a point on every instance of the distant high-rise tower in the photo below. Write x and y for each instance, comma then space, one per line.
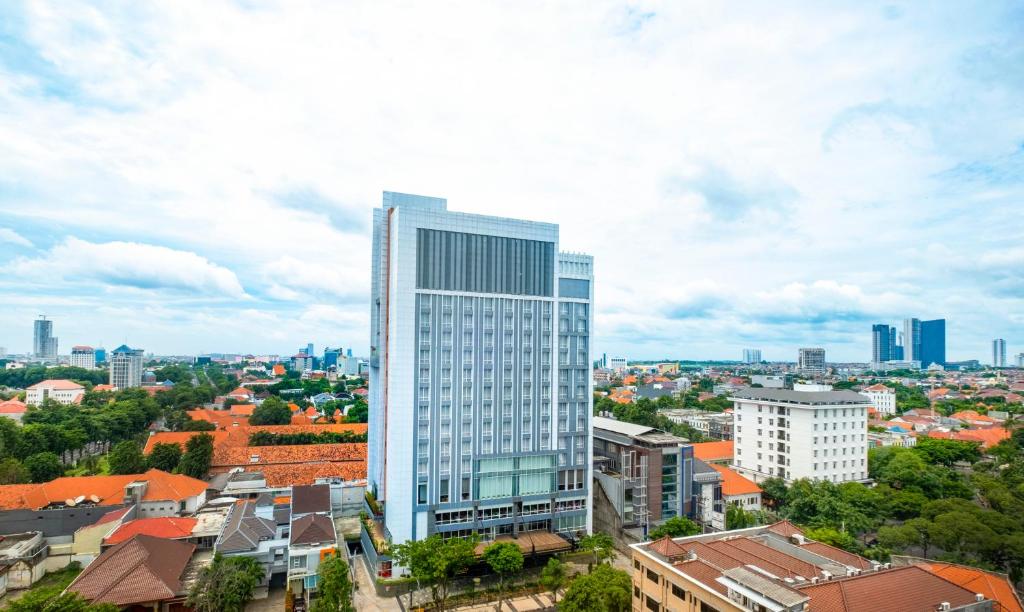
812, 361
83, 357
44, 344
912, 339
480, 374
751, 355
883, 343
999, 353
933, 342
126, 367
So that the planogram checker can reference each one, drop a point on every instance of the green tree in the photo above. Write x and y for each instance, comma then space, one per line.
553, 577
44, 467
192, 425
738, 518
675, 527
198, 456
51, 599
606, 589
273, 411
600, 545
358, 413
334, 589
165, 457
226, 585
434, 562
773, 492
13, 471
832, 537
504, 559
126, 458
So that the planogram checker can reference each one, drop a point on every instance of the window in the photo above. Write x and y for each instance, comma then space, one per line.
678, 592
652, 576
421, 494
636, 564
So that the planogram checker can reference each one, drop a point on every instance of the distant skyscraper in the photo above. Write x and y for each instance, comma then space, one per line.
933, 342
912, 339
126, 367
883, 343
101, 355
812, 360
44, 344
999, 353
480, 374
309, 349
1020, 360
751, 355
331, 357
348, 352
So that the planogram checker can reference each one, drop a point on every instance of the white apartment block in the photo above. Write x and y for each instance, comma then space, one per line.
83, 357
125, 367
480, 374
62, 391
618, 364
882, 398
820, 435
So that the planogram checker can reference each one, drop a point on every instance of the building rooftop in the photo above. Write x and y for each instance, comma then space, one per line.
243, 530
311, 498
812, 398
721, 450
735, 484
168, 527
643, 433
312, 529
57, 384
137, 571
99, 490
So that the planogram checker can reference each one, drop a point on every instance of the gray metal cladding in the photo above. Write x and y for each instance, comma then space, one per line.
458, 261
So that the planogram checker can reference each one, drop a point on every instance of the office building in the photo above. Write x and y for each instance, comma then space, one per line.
60, 391
811, 361
480, 375
44, 344
911, 339
1020, 360
751, 355
933, 342
83, 357
618, 364
999, 353
331, 357
101, 355
789, 434
883, 343
778, 568
126, 367
646, 473
302, 362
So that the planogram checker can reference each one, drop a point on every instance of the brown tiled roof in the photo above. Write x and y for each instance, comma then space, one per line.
313, 529
839, 555
751, 552
703, 572
311, 498
137, 571
785, 529
666, 547
903, 589
109, 490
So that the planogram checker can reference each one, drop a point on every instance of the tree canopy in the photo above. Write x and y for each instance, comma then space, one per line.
226, 585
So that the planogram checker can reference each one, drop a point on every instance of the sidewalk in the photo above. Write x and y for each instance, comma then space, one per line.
541, 601
365, 598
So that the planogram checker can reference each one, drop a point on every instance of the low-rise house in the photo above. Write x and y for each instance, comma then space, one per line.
312, 539
166, 527
893, 436
61, 506
22, 557
993, 586
731, 489
251, 530
88, 539
62, 391
882, 398
143, 572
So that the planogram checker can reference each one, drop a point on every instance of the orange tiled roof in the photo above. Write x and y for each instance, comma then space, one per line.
13, 406
629, 380
713, 451
242, 391
278, 369
223, 419
168, 527
994, 586
242, 409
879, 388
734, 484
293, 407
908, 589
181, 438
283, 475
104, 387
271, 455
987, 437
109, 490
58, 384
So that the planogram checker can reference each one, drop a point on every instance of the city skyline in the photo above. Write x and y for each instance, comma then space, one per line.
739, 182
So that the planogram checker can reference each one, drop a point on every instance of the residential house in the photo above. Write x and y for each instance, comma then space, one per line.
13, 409
61, 391
166, 527
718, 452
731, 488
251, 530
992, 585
88, 539
882, 398
143, 572
312, 539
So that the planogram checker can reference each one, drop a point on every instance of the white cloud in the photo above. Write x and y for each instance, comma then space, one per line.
12, 237
129, 265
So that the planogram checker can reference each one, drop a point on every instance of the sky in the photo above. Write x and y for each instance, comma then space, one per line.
199, 176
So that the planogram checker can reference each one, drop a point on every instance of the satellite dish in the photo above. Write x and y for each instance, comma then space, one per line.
94, 499
69, 502
79, 499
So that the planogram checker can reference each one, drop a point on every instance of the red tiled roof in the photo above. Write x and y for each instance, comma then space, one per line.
785, 529
902, 589
713, 451
283, 475
838, 554
13, 406
109, 490
180, 438
666, 547
58, 384
104, 387
994, 586
112, 516
273, 455
141, 570
168, 527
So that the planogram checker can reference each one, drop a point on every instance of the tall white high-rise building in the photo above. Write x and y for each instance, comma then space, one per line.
999, 353
126, 367
811, 361
83, 357
44, 344
480, 374
751, 355
820, 435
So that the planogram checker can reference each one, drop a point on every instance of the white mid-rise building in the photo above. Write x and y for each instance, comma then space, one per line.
820, 435
811, 361
126, 367
618, 364
480, 374
882, 398
83, 357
